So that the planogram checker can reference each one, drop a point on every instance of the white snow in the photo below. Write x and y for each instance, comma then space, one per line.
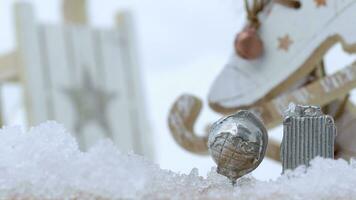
45, 163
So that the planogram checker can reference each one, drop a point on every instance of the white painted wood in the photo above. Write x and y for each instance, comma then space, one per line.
115, 80
59, 71
83, 46
31, 75
131, 66
82, 38
86, 79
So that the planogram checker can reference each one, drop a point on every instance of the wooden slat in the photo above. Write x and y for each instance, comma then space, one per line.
119, 112
133, 77
58, 71
9, 67
74, 11
84, 53
85, 68
31, 73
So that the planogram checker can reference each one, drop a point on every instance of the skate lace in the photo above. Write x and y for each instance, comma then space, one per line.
258, 6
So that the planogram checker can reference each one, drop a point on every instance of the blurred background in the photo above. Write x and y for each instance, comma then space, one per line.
181, 47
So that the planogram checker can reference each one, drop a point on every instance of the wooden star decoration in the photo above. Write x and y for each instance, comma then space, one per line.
91, 104
320, 3
284, 43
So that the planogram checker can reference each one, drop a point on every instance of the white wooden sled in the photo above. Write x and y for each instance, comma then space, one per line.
84, 77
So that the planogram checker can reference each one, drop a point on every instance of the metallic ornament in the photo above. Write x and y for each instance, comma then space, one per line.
307, 133
248, 44
237, 144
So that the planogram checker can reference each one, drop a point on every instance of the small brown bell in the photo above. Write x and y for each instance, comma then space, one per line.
248, 44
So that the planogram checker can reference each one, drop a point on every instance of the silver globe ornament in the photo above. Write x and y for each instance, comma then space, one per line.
237, 144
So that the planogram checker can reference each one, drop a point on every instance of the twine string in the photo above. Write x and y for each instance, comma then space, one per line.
258, 6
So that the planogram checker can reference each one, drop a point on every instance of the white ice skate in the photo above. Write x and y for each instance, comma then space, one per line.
295, 40
288, 70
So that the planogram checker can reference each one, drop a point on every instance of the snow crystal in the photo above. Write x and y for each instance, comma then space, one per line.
46, 163
294, 110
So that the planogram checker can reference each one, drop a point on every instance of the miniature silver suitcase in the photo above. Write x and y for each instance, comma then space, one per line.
307, 133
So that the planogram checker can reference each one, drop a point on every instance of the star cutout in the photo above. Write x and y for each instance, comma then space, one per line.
284, 42
320, 3
91, 104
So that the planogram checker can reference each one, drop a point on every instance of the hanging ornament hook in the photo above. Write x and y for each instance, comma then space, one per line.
248, 43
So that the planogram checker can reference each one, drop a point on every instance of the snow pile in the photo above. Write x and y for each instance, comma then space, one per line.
45, 163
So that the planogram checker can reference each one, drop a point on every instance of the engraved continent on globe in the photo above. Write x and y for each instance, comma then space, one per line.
237, 144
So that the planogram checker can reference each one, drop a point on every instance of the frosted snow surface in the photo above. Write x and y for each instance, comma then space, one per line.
45, 163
